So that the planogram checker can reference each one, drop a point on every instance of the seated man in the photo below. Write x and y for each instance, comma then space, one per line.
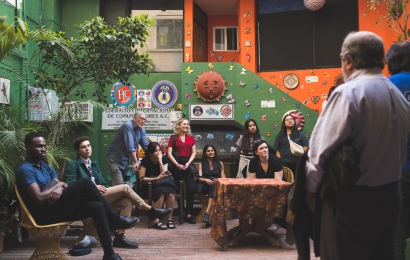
59, 203
120, 196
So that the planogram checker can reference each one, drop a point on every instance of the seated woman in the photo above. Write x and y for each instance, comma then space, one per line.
265, 165
209, 170
153, 168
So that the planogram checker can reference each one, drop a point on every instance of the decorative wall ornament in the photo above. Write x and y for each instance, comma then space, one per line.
188, 44
247, 30
247, 43
291, 81
314, 5
123, 94
164, 94
210, 86
5, 91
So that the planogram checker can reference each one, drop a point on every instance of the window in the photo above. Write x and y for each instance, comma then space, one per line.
297, 38
225, 38
169, 33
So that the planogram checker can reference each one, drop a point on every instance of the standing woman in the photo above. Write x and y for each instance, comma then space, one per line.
209, 170
282, 146
185, 147
245, 146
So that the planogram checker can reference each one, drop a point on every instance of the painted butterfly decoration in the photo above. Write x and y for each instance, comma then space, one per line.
242, 84
276, 112
219, 59
275, 126
230, 98
230, 67
297, 105
247, 115
212, 53
270, 90
256, 86
325, 83
268, 134
231, 83
247, 103
243, 71
283, 99
231, 60
210, 66
264, 118
187, 95
189, 70
229, 136
287, 93
186, 83
305, 102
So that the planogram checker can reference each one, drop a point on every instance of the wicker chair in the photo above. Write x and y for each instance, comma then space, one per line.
288, 174
204, 199
47, 237
89, 230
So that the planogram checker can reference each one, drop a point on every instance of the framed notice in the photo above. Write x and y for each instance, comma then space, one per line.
211, 112
5, 91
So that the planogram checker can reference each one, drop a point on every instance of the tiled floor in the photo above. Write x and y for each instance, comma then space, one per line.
185, 242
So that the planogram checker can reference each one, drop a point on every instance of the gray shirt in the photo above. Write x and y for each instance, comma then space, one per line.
369, 109
125, 142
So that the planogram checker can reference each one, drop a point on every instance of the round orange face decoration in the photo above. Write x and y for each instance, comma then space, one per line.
210, 86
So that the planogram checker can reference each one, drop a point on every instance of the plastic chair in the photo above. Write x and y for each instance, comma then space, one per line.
47, 237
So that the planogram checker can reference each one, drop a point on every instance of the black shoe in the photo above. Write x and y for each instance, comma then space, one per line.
125, 223
114, 256
121, 241
205, 217
154, 213
208, 225
190, 219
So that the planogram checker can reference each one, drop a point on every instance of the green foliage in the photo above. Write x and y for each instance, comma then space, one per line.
17, 33
394, 14
102, 54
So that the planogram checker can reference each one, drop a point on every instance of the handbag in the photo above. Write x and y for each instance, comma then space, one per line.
297, 150
164, 182
193, 170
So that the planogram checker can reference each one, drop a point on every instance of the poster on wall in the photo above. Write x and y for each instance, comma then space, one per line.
211, 112
157, 119
162, 139
5, 91
144, 98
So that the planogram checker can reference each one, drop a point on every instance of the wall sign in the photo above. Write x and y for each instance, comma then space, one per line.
123, 94
144, 98
157, 119
211, 112
164, 94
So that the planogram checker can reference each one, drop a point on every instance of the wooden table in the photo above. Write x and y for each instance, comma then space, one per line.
243, 199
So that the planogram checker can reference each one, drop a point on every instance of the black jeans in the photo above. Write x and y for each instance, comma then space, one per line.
78, 201
403, 225
189, 181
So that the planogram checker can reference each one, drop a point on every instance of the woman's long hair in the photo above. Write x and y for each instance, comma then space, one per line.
216, 164
283, 131
152, 146
246, 139
177, 131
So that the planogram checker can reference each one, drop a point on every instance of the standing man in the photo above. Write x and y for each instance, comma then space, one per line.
124, 145
398, 61
359, 223
118, 197
60, 202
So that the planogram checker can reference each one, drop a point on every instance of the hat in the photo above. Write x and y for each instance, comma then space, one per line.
288, 113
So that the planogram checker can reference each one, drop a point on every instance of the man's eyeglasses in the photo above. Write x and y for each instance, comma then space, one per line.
142, 119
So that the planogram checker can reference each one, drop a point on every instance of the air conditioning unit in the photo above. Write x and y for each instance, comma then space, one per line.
79, 111
42, 104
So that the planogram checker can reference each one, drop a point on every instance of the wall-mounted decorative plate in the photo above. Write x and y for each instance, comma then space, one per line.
291, 81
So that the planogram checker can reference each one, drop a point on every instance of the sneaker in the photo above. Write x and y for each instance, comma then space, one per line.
190, 219
205, 217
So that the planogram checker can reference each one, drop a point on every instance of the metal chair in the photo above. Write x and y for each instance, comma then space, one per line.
47, 237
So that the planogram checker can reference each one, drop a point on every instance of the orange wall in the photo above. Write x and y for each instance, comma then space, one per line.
188, 29
220, 20
307, 92
247, 17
